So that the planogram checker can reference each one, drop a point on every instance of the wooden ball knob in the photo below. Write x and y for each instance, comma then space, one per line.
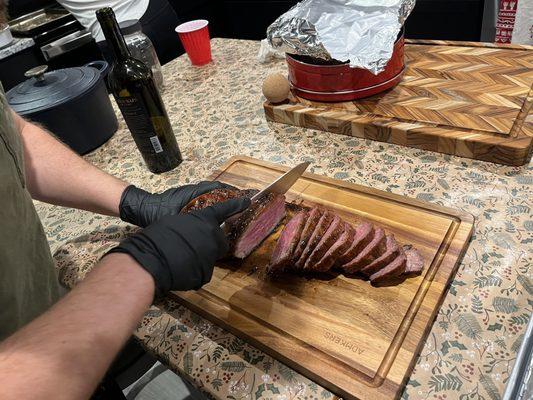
276, 88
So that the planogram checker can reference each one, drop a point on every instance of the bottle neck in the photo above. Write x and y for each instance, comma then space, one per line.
112, 33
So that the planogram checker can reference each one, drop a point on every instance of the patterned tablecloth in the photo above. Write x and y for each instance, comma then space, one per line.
216, 112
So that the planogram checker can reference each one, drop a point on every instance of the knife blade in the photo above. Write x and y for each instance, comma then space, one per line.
284, 182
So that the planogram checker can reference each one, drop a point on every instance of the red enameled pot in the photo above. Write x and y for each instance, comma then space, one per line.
339, 82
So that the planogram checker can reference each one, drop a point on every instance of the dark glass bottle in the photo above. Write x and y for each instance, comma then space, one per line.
136, 94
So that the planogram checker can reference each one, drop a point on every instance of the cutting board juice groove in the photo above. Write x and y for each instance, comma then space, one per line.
358, 341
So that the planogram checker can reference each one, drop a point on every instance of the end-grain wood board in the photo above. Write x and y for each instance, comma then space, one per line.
461, 98
357, 340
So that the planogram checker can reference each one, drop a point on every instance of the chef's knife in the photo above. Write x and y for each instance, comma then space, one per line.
284, 182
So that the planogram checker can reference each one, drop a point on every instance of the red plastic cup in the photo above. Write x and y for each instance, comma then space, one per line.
194, 36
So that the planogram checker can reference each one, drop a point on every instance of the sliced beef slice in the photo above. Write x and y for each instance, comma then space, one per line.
415, 263
390, 272
287, 242
338, 248
317, 235
312, 220
373, 250
392, 249
333, 234
216, 196
363, 235
248, 229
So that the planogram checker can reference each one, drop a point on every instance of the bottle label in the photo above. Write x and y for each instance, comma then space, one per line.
140, 124
156, 144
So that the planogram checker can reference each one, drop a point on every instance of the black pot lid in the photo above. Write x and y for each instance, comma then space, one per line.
44, 91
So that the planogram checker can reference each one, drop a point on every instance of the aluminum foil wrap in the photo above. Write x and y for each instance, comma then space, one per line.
362, 32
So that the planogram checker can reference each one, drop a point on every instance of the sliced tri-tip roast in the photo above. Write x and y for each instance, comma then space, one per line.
318, 233
314, 240
337, 249
287, 243
312, 220
319, 240
328, 239
392, 250
390, 271
414, 264
216, 196
363, 236
368, 254
250, 228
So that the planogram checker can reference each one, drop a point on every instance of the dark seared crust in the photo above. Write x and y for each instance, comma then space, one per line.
338, 248
391, 271
391, 252
314, 216
415, 263
316, 237
373, 250
363, 235
279, 265
216, 196
332, 234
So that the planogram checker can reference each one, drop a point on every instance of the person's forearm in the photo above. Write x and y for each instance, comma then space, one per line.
57, 175
64, 353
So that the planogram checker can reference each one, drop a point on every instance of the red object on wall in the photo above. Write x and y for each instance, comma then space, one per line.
340, 82
505, 22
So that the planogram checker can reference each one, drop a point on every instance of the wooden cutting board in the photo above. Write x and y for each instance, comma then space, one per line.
354, 339
467, 99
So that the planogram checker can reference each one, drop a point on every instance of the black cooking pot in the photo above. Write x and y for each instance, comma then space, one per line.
72, 103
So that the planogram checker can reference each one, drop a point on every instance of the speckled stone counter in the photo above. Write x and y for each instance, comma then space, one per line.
16, 46
216, 112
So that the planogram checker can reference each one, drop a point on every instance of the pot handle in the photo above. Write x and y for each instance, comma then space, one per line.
101, 65
37, 73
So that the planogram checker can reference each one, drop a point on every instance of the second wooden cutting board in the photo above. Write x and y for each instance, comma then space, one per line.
354, 339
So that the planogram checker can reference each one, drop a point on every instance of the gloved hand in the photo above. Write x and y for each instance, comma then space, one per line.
141, 208
180, 250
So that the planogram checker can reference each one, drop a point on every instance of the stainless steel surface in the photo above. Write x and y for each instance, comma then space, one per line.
362, 32
5, 36
66, 43
284, 182
520, 384
26, 23
37, 72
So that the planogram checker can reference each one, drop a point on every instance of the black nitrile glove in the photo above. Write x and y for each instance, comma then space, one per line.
141, 208
180, 250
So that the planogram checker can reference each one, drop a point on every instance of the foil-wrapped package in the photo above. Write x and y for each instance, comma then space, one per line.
362, 32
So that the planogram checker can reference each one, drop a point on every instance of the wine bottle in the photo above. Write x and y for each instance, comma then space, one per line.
139, 101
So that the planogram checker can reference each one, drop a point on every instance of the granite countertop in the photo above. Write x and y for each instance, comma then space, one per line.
216, 112
16, 46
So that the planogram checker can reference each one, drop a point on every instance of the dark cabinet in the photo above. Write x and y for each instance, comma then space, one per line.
446, 20
249, 19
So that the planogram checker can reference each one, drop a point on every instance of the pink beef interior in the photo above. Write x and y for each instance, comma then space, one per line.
286, 240
260, 228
